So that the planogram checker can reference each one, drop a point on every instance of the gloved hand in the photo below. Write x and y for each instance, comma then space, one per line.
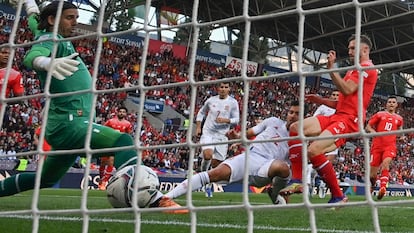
60, 67
29, 5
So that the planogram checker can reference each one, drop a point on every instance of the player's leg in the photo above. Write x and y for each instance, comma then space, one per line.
219, 155
375, 162
295, 183
206, 152
54, 168
109, 171
102, 166
325, 169
318, 148
388, 156
206, 156
106, 137
279, 173
223, 172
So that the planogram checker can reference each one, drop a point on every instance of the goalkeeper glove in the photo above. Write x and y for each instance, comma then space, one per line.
59, 67
29, 5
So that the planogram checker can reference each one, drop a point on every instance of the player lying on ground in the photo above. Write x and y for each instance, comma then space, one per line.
268, 160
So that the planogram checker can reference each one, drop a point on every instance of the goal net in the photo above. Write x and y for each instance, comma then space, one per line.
163, 67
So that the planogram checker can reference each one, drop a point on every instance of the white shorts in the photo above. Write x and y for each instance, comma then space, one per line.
220, 150
258, 169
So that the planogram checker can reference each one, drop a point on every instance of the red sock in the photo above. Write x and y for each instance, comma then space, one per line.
295, 157
101, 173
327, 173
108, 173
384, 177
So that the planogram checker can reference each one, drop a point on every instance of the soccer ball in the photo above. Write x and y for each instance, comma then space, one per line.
120, 188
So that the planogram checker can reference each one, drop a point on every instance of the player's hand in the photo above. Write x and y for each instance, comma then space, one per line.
60, 67
232, 134
313, 98
29, 5
331, 59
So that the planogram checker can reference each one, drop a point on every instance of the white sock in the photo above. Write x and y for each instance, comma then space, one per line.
157, 196
197, 181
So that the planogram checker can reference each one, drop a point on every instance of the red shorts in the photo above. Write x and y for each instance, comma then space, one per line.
378, 154
338, 124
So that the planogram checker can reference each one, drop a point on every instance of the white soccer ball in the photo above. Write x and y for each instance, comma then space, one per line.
120, 188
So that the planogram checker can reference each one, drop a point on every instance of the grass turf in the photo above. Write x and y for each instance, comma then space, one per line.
225, 212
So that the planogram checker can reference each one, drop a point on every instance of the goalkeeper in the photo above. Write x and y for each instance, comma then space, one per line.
68, 114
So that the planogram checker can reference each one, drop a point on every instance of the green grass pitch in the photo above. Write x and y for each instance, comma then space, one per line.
231, 216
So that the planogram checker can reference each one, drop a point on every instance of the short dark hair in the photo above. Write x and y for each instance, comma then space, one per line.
364, 39
51, 10
296, 103
392, 97
122, 107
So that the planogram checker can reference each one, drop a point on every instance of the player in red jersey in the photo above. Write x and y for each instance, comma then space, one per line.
345, 119
106, 167
14, 81
383, 149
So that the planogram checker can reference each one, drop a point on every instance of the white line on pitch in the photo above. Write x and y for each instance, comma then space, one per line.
155, 222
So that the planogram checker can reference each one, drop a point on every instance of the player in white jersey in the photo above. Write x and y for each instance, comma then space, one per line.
220, 113
268, 161
311, 173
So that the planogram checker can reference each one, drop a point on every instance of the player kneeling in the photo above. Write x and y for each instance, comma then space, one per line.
121, 189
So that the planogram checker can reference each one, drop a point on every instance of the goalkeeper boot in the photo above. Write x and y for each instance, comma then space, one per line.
170, 203
381, 193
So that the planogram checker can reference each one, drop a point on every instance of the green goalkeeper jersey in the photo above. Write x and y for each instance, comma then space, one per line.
79, 104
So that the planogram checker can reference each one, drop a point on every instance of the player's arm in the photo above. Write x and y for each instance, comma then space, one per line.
320, 100
345, 87
371, 124
199, 118
235, 115
17, 85
38, 58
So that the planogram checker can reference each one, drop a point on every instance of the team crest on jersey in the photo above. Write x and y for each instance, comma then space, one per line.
227, 107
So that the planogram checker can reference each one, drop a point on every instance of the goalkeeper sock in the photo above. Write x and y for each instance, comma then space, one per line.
197, 181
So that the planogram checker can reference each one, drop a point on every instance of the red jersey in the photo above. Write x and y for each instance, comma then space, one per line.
384, 121
348, 104
14, 83
123, 125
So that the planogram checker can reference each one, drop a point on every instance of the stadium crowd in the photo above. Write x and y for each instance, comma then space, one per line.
119, 67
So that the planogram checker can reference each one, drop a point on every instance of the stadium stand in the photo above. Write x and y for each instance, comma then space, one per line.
119, 67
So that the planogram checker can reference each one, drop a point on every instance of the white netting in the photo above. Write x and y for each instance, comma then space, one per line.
183, 88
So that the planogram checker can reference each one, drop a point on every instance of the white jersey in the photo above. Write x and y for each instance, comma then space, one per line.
215, 107
324, 111
271, 128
